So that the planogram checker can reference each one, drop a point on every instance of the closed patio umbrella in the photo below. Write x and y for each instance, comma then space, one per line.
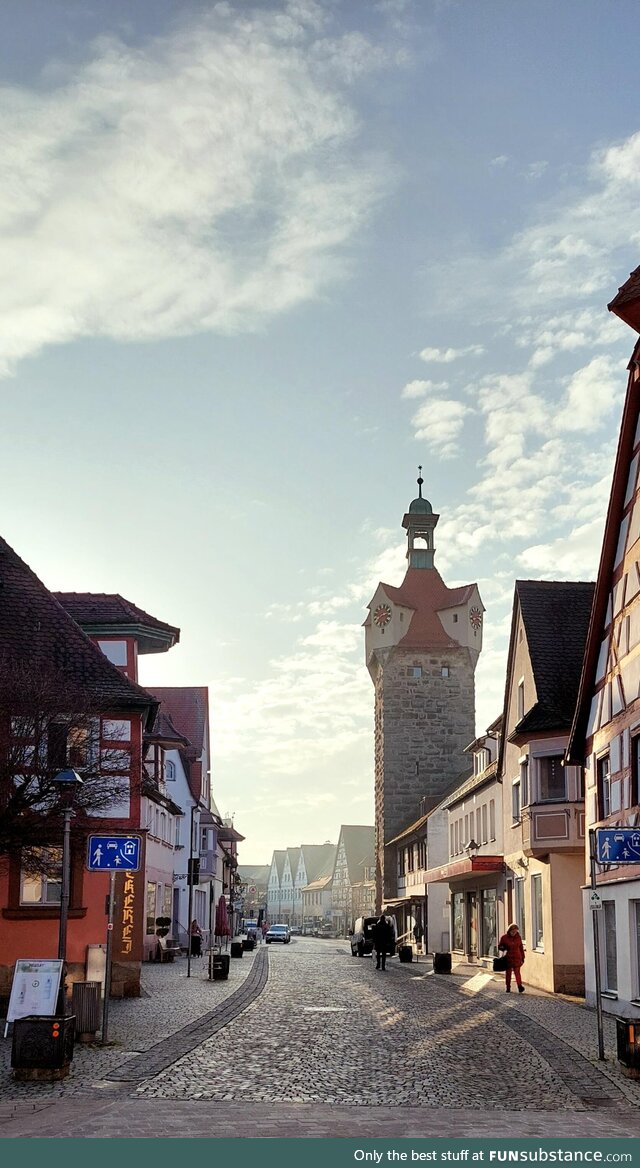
222, 919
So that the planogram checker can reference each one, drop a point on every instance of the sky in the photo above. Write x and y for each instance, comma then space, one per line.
261, 260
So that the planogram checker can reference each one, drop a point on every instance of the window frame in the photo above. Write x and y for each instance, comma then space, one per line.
537, 912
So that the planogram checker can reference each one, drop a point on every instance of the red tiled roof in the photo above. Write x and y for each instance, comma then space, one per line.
424, 590
90, 609
36, 630
626, 303
188, 709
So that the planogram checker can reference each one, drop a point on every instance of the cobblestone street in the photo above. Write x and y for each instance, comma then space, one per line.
328, 1045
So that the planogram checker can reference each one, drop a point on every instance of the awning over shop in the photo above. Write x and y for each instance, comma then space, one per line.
469, 866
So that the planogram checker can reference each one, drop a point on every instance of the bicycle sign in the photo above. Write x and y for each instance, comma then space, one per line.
618, 845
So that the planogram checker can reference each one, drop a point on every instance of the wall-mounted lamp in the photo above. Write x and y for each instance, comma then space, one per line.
472, 848
523, 862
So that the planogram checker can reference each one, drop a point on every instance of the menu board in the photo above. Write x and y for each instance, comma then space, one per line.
35, 988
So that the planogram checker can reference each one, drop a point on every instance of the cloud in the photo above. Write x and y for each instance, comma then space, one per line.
421, 388
592, 393
439, 423
499, 161
206, 180
536, 169
446, 356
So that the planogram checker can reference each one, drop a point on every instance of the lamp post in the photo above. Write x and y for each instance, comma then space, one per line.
67, 782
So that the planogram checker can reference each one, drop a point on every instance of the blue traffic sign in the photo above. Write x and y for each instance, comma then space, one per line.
618, 845
113, 853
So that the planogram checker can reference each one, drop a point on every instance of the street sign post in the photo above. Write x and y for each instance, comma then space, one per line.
618, 845
113, 853
595, 900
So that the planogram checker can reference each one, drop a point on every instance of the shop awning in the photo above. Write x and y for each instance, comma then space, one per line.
469, 866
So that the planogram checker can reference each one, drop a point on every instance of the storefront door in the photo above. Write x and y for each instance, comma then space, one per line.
472, 924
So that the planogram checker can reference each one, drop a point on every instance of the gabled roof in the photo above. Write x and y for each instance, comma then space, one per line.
36, 630
626, 439
626, 304
294, 856
165, 733
278, 860
188, 708
319, 885
108, 612
254, 873
424, 591
318, 860
556, 616
359, 849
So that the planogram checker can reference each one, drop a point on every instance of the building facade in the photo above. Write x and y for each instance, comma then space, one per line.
605, 736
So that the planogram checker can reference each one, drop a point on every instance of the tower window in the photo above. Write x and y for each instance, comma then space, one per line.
417, 671
455, 618
446, 672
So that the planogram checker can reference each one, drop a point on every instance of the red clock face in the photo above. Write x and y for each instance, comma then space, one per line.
382, 615
475, 617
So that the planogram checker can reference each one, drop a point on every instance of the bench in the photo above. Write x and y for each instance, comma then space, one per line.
167, 949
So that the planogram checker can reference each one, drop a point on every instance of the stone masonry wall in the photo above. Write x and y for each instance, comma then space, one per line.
426, 720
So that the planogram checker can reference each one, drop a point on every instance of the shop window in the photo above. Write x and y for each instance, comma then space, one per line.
488, 919
457, 922
151, 909
518, 896
537, 924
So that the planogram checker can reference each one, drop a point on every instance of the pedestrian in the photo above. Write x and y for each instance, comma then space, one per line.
417, 933
382, 939
511, 944
196, 939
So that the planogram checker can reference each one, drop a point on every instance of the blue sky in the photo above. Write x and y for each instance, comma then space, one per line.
262, 259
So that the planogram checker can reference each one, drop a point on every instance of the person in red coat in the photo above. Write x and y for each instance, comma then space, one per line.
511, 944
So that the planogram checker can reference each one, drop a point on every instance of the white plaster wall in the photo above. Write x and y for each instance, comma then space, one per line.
628, 1001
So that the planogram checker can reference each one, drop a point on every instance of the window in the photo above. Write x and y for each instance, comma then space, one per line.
537, 927
455, 618
446, 672
401, 861
515, 801
457, 922
451, 841
524, 782
417, 671
151, 908
478, 825
169, 771
114, 651
492, 819
518, 887
603, 771
485, 834
634, 794
521, 699
43, 888
467, 837
610, 946
488, 922
551, 779
457, 835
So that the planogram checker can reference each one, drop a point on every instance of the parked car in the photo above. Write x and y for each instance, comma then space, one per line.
361, 938
327, 931
278, 933
295, 931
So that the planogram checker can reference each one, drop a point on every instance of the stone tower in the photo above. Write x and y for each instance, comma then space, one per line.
422, 640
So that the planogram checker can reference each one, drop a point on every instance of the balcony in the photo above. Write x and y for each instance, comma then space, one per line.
552, 827
207, 864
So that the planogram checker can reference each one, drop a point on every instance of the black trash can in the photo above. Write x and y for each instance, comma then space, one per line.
442, 963
628, 1039
248, 945
405, 953
42, 1048
236, 949
85, 1005
220, 966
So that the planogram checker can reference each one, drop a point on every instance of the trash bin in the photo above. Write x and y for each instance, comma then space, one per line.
236, 949
42, 1047
405, 953
628, 1037
248, 945
220, 966
442, 963
85, 1004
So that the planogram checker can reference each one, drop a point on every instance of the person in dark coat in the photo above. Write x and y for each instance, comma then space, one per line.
196, 939
511, 944
382, 937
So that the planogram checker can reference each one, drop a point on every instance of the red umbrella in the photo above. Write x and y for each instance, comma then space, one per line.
222, 919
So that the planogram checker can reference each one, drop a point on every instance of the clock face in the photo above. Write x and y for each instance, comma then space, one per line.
382, 615
475, 617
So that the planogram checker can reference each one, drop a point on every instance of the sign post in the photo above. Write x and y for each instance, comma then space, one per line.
112, 853
595, 904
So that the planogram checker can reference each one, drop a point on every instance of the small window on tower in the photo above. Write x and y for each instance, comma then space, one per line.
455, 618
417, 671
446, 672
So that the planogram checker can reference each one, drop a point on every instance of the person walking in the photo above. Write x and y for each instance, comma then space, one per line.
381, 941
511, 944
196, 939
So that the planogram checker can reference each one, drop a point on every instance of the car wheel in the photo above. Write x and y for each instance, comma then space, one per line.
360, 949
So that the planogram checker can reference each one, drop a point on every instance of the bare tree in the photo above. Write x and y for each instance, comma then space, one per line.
48, 724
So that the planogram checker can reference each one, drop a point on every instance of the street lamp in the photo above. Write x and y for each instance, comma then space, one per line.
68, 782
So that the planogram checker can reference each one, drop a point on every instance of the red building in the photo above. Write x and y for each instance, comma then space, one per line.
69, 697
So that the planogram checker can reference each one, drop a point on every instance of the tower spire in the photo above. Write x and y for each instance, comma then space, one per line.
420, 523
420, 482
